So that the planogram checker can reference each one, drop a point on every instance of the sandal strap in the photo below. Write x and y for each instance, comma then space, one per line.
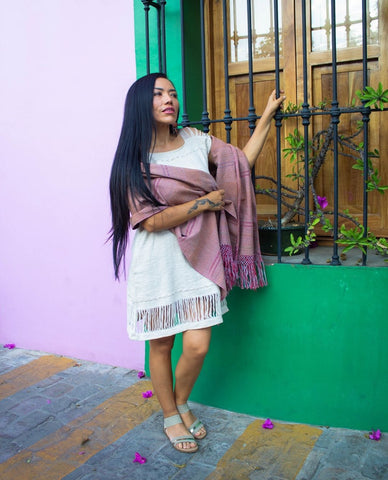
184, 408
182, 439
196, 427
173, 420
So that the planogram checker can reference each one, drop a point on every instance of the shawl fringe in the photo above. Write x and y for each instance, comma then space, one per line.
244, 271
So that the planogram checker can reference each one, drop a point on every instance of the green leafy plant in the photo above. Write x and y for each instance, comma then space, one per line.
319, 146
373, 98
299, 243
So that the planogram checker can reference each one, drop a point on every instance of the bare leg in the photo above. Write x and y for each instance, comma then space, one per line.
161, 376
195, 347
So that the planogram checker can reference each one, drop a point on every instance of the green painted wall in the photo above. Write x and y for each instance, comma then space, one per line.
173, 41
174, 52
312, 346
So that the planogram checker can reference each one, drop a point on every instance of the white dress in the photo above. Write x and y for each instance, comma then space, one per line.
165, 294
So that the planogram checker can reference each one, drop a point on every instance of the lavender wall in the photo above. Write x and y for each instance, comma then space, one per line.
66, 66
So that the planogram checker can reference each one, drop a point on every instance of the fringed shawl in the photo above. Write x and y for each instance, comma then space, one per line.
223, 246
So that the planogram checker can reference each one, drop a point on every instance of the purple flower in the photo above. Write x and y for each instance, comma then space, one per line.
10, 346
147, 394
268, 424
375, 435
139, 459
323, 203
140, 374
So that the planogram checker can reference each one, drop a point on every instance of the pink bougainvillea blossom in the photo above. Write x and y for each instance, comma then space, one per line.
139, 459
140, 374
323, 203
375, 435
10, 346
147, 394
268, 424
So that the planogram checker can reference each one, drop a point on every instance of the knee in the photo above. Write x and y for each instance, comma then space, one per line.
162, 346
196, 350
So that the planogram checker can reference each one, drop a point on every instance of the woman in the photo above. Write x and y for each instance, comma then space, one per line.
189, 248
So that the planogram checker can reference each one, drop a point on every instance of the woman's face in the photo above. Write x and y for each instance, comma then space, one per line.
165, 105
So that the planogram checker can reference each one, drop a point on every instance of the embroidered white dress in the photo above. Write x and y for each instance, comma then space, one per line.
165, 294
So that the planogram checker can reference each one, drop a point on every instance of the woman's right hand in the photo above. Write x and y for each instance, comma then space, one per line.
215, 200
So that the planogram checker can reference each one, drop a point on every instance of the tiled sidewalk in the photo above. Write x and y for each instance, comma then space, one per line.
62, 418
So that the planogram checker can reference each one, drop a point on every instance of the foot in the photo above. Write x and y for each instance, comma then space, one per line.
178, 435
195, 426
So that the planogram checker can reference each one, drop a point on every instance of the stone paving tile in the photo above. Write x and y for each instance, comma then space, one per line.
117, 459
40, 409
376, 466
338, 473
341, 454
193, 471
16, 357
163, 461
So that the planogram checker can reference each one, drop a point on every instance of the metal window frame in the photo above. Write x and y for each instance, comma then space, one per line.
306, 113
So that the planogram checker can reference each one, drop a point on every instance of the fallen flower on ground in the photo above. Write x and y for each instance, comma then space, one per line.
147, 394
375, 435
10, 346
268, 424
139, 459
140, 374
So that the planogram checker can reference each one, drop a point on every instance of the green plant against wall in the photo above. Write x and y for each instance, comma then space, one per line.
354, 236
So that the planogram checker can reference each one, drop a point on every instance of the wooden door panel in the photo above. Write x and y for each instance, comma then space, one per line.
263, 84
349, 80
319, 84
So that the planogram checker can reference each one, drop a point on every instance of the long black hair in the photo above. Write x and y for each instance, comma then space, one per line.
131, 160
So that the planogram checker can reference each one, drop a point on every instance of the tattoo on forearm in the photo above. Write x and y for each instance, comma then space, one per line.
203, 201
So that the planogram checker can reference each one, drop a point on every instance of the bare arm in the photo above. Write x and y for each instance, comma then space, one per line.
178, 214
256, 142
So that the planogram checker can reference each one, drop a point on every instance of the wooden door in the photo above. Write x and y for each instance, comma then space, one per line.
319, 83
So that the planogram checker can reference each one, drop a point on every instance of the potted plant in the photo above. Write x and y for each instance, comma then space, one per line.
297, 236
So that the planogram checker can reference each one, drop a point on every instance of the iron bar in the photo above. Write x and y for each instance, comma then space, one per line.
159, 37
251, 110
335, 118
278, 125
227, 111
147, 33
185, 117
163, 35
288, 115
365, 123
306, 124
205, 114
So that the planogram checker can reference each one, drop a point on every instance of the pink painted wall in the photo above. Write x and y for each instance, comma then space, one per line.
65, 68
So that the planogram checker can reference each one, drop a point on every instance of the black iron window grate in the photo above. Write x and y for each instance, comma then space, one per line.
305, 113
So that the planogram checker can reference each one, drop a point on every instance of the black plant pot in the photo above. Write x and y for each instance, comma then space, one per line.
269, 237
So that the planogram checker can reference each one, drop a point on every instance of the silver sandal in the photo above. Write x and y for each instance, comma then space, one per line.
170, 422
196, 426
